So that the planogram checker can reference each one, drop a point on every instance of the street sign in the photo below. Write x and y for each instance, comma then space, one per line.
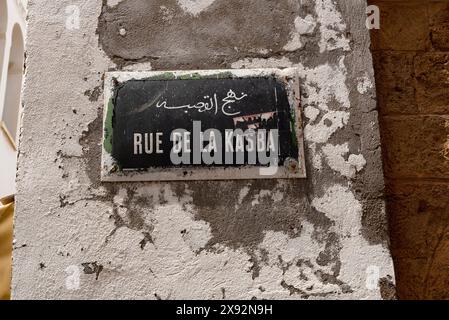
202, 125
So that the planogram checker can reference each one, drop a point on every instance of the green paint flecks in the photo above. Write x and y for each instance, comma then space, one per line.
293, 126
108, 129
190, 76
163, 76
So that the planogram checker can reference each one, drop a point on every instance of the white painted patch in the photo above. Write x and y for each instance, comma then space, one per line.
335, 158
340, 205
329, 78
278, 244
302, 26
290, 254
357, 160
311, 113
331, 81
332, 27
329, 124
364, 84
194, 7
173, 264
197, 235
175, 257
122, 32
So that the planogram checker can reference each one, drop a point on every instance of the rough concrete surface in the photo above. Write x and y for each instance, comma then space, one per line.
324, 237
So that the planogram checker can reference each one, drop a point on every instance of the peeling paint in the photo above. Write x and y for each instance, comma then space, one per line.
311, 239
364, 85
332, 27
335, 158
302, 27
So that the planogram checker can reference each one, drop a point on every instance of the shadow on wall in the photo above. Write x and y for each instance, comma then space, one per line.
411, 60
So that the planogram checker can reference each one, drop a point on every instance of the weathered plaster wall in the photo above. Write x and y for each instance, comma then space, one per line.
322, 237
412, 68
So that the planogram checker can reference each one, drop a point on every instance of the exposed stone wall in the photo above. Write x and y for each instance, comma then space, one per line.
322, 237
411, 58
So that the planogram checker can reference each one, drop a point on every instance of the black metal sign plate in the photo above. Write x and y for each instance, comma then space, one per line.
230, 124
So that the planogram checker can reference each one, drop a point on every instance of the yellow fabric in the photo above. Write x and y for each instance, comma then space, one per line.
6, 236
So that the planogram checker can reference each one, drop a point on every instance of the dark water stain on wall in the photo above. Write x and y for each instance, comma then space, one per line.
140, 30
